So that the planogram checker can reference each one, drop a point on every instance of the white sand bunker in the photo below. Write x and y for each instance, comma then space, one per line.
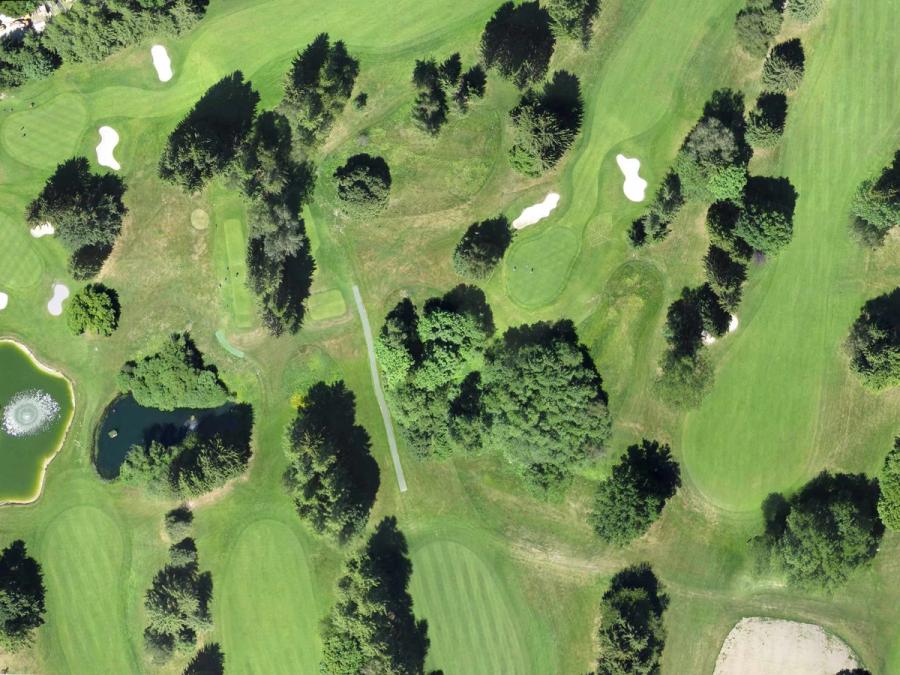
537, 212
4, 300
161, 62
60, 293
634, 186
109, 139
708, 338
42, 230
733, 324
760, 646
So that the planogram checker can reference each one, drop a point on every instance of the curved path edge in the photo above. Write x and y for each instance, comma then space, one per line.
376, 385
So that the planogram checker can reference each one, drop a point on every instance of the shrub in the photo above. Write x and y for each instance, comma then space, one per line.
574, 18
765, 123
93, 309
21, 597
364, 183
783, 68
482, 247
518, 42
874, 342
805, 10
889, 482
756, 25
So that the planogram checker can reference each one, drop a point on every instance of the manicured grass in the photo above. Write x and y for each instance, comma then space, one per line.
21, 266
327, 305
46, 135
538, 267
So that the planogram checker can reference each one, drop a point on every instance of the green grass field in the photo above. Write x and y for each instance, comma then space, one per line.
506, 582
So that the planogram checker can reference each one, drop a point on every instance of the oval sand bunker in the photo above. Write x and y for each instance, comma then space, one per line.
634, 186
537, 212
161, 62
60, 293
109, 139
42, 230
760, 646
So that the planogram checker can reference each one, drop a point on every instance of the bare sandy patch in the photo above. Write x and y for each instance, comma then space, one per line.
634, 186
161, 62
60, 293
761, 646
109, 139
536, 212
42, 230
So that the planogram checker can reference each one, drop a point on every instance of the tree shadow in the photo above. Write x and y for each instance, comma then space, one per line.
790, 52
562, 97
368, 165
775, 510
771, 194
640, 577
227, 108
773, 108
727, 106
405, 318
885, 314
653, 462
87, 261
209, 660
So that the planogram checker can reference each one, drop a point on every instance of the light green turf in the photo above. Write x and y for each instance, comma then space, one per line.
248, 609
230, 348
47, 135
20, 266
327, 305
538, 267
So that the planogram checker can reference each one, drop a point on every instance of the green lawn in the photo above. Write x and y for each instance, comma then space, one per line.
507, 583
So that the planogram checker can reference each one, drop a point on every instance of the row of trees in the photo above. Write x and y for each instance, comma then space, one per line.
759, 21
435, 82
90, 31
86, 211
534, 395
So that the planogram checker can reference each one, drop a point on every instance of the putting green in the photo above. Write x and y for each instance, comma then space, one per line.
81, 604
46, 135
266, 610
327, 305
477, 620
537, 268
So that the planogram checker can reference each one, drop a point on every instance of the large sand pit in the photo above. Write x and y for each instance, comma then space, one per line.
109, 139
760, 646
161, 62
634, 186
60, 293
42, 230
537, 212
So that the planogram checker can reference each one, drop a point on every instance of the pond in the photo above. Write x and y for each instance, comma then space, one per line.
37, 406
126, 423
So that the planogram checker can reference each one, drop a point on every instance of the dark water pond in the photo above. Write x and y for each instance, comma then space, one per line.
126, 423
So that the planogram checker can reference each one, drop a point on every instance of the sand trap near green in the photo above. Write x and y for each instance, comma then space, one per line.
48, 134
265, 609
477, 620
537, 268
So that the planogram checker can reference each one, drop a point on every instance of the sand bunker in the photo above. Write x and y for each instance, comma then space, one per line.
4, 300
707, 338
42, 230
760, 646
537, 212
109, 139
60, 293
733, 324
161, 62
634, 186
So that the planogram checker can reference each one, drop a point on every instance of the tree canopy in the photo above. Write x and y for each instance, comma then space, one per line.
574, 18
783, 68
684, 380
824, 532
757, 24
632, 498
317, 88
874, 342
371, 628
766, 221
632, 634
876, 203
482, 247
725, 276
889, 482
765, 122
667, 202
21, 597
805, 10
332, 477
363, 183
208, 138
518, 42
174, 377
93, 309
209, 660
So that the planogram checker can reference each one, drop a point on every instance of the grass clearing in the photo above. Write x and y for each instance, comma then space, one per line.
326, 305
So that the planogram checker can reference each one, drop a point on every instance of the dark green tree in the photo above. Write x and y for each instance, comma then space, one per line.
877, 202
667, 202
766, 221
684, 380
371, 628
721, 224
25, 60
93, 309
398, 346
178, 523
363, 183
546, 399
174, 377
765, 123
21, 597
632, 498
206, 141
430, 109
177, 606
725, 276
889, 482
874, 342
471, 84
632, 633
210, 660
757, 24
265, 168
332, 477
805, 10
783, 68
574, 18
518, 41
482, 247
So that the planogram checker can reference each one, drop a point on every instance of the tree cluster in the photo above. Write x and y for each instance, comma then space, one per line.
207, 140
823, 533
757, 24
93, 309
90, 31
317, 88
482, 247
876, 204
783, 67
21, 597
518, 42
574, 18
632, 498
178, 605
86, 211
332, 478
889, 482
632, 634
435, 82
874, 342
654, 225
545, 124
363, 183
371, 628
173, 377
